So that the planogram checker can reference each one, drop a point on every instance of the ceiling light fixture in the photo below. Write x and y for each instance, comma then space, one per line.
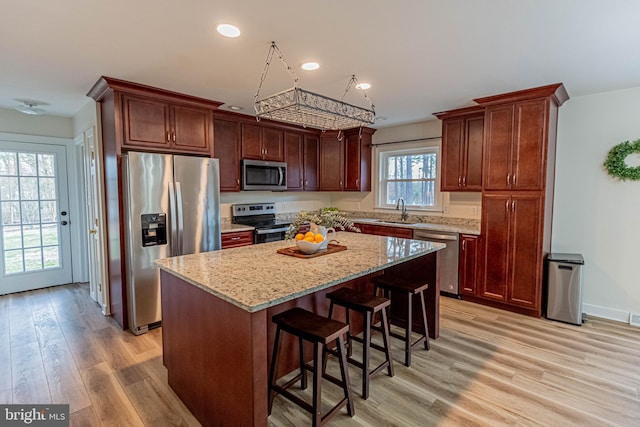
310, 66
228, 30
30, 108
301, 107
235, 107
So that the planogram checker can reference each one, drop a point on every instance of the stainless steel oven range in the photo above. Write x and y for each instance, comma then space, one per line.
262, 216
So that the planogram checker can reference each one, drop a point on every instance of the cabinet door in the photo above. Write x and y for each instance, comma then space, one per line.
272, 144
382, 230
235, 239
468, 266
352, 163
498, 137
474, 128
227, 150
530, 145
251, 141
293, 157
331, 163
191, 129
525, 254
311, 162
146, 122
496, 210
452, 154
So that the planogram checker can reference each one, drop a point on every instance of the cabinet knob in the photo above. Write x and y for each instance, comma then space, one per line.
459, 181
357, 183
173, 136
513, 206
464, 244
464, 181
508, 179
238, 181
168, 136
515, 177
235, 238
507, 206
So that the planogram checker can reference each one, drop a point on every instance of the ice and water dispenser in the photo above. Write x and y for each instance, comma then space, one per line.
154, 229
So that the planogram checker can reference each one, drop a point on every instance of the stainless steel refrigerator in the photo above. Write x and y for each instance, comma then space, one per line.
172, 207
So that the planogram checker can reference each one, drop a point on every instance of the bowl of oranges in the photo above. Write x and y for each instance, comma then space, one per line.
309, 242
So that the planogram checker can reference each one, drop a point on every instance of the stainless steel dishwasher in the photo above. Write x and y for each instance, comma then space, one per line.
448, 258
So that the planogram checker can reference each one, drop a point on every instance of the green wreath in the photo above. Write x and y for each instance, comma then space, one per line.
616, 165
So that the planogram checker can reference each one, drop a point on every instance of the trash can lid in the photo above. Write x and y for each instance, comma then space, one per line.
568, 258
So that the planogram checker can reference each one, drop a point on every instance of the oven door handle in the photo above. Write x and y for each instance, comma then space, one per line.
272, 230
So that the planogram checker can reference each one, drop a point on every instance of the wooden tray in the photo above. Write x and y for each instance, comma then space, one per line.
294, 251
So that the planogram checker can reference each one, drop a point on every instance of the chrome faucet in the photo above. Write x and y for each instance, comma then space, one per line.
404, 215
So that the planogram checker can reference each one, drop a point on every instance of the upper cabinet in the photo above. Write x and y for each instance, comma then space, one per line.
262, 143
357, 159
293, 156
462, 134
331, 162
311, 162
227, 150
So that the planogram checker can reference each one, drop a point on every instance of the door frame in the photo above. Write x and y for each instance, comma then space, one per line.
75, 186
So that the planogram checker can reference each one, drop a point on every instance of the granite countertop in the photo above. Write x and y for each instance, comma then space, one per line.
274, 278
453, 226
230, 228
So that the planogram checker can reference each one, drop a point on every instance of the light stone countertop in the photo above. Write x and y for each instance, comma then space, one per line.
470, 227
256, 277
230, 228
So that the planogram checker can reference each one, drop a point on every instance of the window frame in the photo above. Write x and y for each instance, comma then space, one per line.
383, 152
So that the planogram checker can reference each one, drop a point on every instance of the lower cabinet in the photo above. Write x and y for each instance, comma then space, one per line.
383, 230
468, 264
237, 238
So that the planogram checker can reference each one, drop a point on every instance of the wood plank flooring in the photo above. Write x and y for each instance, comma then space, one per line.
489, 368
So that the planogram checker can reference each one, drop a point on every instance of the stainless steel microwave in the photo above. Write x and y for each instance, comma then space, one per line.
261, 175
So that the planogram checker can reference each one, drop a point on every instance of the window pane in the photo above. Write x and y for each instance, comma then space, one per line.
27, 165
414, 166
12, 237
8, 163
31, 235
48, 211
29, 188
414, 193
50, 234
33, 259
48, 188
30, 212
13, 262
10, 213
46, 165
9, 189
51, 258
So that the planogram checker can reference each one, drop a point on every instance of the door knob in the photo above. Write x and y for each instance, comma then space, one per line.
92, 231
63, 213
64, 223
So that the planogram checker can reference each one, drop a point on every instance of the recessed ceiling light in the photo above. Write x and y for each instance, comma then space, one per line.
228, 30
310, 66
235, 107
363, 86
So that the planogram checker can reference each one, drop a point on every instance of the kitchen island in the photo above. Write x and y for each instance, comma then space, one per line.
217, 309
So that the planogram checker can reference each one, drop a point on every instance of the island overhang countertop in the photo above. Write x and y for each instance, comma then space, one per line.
256, 277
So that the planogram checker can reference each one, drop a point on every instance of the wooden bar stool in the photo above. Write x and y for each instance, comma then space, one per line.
368, 305
391, 286
321, 332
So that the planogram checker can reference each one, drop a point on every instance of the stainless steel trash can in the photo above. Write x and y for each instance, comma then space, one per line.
564, 298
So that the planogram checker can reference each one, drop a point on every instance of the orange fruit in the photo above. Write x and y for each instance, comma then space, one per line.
318, 238
309, 239
309, 234
299, 236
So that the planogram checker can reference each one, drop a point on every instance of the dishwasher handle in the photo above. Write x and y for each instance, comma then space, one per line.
427, 236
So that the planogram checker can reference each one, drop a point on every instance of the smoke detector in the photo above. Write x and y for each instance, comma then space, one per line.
29, 107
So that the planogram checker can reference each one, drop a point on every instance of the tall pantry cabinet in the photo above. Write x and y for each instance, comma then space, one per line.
517, 196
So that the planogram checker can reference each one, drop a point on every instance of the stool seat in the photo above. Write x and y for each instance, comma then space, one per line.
393, 285
368, 305
310, 326
320, 331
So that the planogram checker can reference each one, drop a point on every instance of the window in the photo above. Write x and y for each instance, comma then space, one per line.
411, 174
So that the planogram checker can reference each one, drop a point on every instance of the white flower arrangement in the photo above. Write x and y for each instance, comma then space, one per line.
326, 217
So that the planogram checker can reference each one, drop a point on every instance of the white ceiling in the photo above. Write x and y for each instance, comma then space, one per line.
421, 56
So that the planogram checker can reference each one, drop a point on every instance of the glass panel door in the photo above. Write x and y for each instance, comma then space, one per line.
34, 238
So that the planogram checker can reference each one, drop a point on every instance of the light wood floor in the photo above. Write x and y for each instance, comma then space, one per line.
489, 367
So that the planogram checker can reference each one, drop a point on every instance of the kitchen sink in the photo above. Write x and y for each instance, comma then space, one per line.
394, 222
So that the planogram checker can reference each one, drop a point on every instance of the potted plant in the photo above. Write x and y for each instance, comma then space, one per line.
325, 217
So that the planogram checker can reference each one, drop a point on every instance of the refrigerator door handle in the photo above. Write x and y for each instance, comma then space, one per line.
173, 218
180, 218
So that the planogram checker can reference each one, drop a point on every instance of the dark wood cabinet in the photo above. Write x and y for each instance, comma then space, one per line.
227, 151
235, 239
462, 138
468, 264
293, 156
516, 145
311, 162
331, 162
262, 143
512, 232
357, 160
383, 230
159, 125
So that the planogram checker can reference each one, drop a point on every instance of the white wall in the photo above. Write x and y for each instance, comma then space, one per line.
594, 214
86, 118
458, 205
12, 121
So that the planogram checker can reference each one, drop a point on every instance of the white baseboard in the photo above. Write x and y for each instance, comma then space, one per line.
606, 313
